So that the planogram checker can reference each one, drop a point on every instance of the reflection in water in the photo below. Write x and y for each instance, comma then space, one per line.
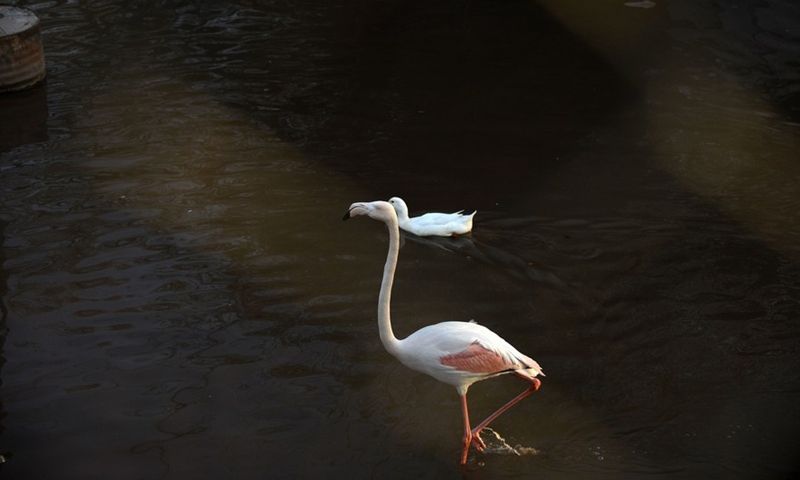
183, 301
23, 117
470, 247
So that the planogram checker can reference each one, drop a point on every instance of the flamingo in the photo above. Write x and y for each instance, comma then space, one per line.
456, 353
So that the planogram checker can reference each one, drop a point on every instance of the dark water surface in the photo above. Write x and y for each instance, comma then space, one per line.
180, 298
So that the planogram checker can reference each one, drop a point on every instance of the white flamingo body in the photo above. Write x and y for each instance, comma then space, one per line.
462, 353
456, 353
432, 224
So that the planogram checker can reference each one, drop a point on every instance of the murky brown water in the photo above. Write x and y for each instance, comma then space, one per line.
181, 299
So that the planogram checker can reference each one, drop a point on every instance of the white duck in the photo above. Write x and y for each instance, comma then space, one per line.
430, 224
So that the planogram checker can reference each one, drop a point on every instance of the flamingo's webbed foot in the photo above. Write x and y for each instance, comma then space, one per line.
480, 445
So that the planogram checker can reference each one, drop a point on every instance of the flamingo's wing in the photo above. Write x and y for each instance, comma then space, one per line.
477, 358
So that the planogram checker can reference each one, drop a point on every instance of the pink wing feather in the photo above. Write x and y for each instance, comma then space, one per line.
478, 359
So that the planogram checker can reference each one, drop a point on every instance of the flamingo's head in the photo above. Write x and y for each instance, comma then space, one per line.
377, 210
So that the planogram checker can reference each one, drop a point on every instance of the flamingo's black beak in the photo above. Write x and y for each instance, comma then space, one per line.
346, 215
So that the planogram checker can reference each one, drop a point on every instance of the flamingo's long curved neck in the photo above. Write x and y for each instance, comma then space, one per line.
390, 342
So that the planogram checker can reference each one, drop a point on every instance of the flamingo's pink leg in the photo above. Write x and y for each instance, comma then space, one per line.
467, 432
475, 433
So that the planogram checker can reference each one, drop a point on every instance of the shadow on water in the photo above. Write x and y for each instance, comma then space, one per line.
460, 101
179, 305
3, 326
